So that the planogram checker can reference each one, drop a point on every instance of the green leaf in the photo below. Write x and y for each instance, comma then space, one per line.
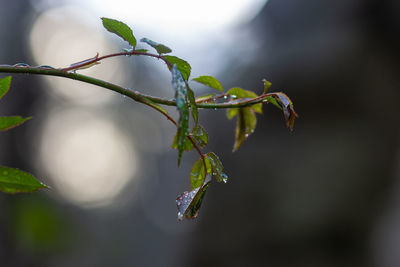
4, 85
267, 85
181, 104
187, 146
199, 173
7, 123
217, 167
273, 101
192, 102
231, 112
120, 29
181, 64
210, 82
237, 92
15, 181
160, 48
200, 135
189, 202
246, 124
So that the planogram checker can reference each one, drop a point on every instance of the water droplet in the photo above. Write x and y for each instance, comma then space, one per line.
224, 177
225, 97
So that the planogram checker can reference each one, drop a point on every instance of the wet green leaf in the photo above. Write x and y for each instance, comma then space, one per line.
181, 64
160, 48
237, 92
181, 104
4, 85
121, 29
7, 123
246, 124
192, 102
189, 202
217, 167
15, 181
199, 172
267, 85
210, 82
187, 146
200, 135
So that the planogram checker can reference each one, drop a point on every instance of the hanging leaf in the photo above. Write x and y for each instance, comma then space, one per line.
15, 181
181, 104
231, 112
7, 123
200, 135
210, 82
187, 146
160, 48
237, 92
4, 85
192, 102
245, 125
189, 202
288, 109
199, 173
120, 29
217, 167
267, 85
181, 64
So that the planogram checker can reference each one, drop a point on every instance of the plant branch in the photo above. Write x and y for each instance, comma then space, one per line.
135, 95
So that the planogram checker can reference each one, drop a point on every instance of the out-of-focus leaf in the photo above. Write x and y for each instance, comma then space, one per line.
231, 112
237, 92
192, 102
120, 29
181, 64
267, 85
200, 135
217, 167
160, 48
246, 124
181, 104
10, 122
288, 109
210, 82
187, 145
199, 172
15, 181
4, 85
189, 202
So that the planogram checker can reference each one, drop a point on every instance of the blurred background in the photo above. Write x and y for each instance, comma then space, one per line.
325, 195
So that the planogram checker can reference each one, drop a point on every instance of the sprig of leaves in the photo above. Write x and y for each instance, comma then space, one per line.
240, 103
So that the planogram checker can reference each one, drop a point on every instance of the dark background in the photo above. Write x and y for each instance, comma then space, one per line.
325, 195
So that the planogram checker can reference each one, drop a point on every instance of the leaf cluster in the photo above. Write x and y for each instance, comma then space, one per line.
240, 103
